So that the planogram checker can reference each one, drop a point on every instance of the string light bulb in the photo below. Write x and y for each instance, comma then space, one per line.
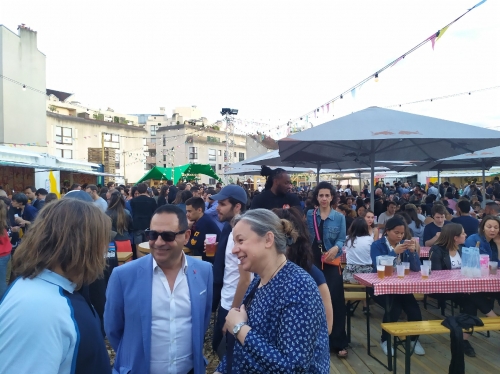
24, 87
376, 77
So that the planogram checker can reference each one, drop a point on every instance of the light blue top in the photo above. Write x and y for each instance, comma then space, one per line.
334, 230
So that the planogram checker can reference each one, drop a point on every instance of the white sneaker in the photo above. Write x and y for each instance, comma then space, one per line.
384, 348
418, 348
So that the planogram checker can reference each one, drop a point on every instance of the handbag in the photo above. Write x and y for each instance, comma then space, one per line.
334, 262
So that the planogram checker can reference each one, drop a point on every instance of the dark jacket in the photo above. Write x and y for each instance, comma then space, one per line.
199, 230
172, 193
485, 247
39, 204
143, 208
220, 264
440, 257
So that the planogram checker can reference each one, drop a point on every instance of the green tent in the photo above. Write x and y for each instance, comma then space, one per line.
176, 173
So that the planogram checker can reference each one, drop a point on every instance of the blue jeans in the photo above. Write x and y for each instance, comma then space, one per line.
4, 260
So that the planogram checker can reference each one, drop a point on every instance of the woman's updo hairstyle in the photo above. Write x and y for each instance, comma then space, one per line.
262, 221
270, 174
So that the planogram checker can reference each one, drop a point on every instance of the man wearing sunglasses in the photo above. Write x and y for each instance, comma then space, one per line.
158, 307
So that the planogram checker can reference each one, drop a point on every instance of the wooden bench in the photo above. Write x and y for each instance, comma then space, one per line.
401, 331
352, 300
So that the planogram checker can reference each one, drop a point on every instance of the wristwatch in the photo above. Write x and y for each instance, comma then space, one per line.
237, 328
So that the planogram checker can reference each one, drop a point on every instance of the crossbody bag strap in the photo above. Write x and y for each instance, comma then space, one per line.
318, 238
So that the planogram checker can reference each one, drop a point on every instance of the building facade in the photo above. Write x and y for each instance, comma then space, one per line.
22, 88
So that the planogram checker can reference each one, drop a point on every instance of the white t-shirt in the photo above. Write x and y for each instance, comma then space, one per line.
456, 261
231, 275
382, 219
358, 253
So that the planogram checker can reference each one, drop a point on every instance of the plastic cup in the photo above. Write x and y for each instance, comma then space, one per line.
493, 267
424, 270
389, 270
407, 267
381, 271
428, 264
401, 270
210, 245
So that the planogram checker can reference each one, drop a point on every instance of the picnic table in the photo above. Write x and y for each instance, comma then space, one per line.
440, 281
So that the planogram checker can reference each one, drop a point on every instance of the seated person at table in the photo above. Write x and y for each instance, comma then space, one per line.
358, 244
202, 225
392, 244
433, 229
470, 224
488, 230
445, 254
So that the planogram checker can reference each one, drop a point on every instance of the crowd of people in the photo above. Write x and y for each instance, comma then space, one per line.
275, 283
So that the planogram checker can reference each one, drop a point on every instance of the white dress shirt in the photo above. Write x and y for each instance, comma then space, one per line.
231, 275
171, 325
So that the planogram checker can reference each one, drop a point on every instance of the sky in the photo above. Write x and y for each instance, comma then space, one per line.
274, 61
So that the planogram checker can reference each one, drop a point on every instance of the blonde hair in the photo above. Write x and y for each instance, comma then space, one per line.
70, 234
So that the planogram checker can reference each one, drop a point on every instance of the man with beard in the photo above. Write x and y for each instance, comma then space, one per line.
230, 283
276, 191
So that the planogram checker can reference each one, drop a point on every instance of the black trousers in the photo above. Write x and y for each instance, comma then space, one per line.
219, 324
406, 303
335, 283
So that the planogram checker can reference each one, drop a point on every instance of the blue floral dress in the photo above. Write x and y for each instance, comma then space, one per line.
288, 332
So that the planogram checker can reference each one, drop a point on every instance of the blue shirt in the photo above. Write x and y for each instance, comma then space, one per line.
470, 224
431, 230
29, 213
317, 275
48, 327
289, 333
381, 248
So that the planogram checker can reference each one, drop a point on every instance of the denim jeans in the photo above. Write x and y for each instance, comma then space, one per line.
4, 261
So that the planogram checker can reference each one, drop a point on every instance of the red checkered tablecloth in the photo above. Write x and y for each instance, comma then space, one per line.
442, 281
343, 257
424, 252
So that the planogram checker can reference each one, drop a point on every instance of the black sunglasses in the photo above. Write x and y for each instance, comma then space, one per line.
166, 236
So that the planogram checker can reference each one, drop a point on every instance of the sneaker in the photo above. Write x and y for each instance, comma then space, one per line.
384, 348
468, 350
418, 348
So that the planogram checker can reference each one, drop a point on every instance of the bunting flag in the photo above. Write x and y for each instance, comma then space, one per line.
478, 4
328, 107
441, 32
432, 38
353, 93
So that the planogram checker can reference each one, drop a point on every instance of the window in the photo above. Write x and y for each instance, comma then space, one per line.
241, 156
220, 167
193, 153
234, 154
212, 155
64, 153
117, 160
214, 168
211, 181
219, 152
213, 139
64, 135
164, 158
153, 130
111, 140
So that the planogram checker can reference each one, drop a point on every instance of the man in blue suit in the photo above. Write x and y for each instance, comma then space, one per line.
158, 307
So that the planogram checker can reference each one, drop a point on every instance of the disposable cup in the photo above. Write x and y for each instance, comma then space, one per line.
400, 270
381, 271
493, 267
424, 270
211, 238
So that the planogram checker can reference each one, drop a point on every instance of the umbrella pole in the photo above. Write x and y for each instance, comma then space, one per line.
372, 181
317, 173
439, 182
360, 187
484, 181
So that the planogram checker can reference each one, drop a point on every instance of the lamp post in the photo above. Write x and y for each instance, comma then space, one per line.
228, 114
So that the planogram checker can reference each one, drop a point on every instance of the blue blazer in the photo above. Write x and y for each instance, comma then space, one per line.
127, 315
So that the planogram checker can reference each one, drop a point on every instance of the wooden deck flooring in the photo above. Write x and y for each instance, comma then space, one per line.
437, 348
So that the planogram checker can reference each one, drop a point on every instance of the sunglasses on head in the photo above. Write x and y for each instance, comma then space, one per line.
166, 236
